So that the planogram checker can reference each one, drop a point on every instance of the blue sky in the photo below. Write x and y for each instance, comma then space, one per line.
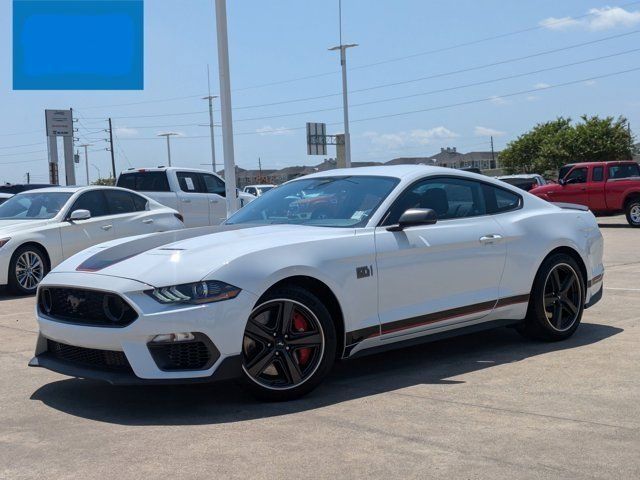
277, 41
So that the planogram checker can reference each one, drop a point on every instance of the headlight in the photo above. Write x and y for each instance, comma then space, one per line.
195, 293
4, 241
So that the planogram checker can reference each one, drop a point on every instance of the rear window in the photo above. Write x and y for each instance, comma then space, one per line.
624, 170
144, 181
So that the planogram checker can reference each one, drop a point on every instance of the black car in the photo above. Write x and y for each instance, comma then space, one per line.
23, 187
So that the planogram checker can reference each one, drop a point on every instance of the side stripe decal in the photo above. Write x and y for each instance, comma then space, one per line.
356, 336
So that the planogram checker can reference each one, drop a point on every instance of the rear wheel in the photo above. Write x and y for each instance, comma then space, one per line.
289, 345
27, 268
557, 300
632, 212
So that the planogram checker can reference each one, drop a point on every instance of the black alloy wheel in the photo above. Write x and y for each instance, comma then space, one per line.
288, 345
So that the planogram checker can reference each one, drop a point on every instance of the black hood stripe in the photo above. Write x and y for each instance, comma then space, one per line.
123, 251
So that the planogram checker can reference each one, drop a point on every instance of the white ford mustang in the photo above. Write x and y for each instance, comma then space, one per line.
328, 266
41, 228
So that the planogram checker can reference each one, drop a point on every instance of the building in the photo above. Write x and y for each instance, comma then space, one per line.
451, 158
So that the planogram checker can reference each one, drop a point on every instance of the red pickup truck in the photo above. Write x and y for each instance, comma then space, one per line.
605, 187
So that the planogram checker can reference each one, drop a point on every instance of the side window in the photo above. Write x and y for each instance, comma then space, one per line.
119, 202
624, 170
500, 200
188, 182
448, 197
251, 190
597, 174
577, 175
93, 201
213, 184
139, 203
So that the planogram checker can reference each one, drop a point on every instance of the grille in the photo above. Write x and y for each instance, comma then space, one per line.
195, 355
89, 357
86, 307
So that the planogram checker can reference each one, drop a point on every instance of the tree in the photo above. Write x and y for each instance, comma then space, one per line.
550, 145
107, 182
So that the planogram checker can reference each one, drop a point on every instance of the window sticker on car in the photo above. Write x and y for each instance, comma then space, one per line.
357, 215
189, 183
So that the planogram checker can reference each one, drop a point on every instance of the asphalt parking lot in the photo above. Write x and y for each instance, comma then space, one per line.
490, 405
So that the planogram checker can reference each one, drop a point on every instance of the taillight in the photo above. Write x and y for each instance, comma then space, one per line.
179, 217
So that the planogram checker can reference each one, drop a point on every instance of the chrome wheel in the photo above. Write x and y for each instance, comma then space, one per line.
29, 270
283, 344
634, 214
562, 297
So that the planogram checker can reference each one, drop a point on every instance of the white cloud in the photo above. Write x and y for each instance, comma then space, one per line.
531, 98
125, 132
416, 137
541, 85
590, 83
269, 130
603, 18
496, 100
487, 132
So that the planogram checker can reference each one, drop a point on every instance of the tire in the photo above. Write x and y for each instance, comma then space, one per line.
557, 300
35, 261
284, 360
632, 211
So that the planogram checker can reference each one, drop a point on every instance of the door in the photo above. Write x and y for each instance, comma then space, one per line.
129, 214
595, 189
193, 199
575, 189
215, 189
436, 275
81, 234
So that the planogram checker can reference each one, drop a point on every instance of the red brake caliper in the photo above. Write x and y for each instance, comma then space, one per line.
300, 325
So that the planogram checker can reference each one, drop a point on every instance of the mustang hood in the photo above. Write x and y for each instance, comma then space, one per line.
189, 255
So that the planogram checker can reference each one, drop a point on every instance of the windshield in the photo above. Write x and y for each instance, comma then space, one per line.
33, 206
327, 202
263, 190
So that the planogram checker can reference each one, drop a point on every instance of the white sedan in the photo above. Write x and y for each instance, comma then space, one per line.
333, 265
41, 228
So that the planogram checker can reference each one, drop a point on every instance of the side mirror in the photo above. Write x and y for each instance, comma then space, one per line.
80, 215
414, 217
562, 181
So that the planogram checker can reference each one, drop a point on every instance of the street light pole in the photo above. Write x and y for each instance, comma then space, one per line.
345, 101
168, 135
86, 159
213, 142
225, 106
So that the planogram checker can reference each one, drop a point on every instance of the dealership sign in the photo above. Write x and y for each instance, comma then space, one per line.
59, 123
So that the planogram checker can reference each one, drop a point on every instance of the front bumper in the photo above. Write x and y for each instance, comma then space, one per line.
222, 323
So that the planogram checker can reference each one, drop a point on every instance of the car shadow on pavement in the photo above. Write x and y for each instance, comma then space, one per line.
198, 404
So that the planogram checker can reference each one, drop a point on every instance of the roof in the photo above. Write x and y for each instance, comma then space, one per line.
520, 175
398, 171
74, 189
168, 169
480, 155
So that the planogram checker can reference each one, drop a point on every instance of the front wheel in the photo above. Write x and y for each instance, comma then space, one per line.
289, 345
632, 212
27, 268
557, 300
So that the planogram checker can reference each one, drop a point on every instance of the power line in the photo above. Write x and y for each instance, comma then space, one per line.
441, 107
392, 84
23, 145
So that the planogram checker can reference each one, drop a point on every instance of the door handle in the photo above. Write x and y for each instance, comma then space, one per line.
186, 200
489, 239
213, 201
147, 220
107, 227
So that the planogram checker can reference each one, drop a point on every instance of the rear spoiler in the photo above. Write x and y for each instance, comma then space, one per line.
571, 206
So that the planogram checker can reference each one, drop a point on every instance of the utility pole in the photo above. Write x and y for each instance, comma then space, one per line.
345, 101
113, 158
493, 155
260, 167
86, 159
213, 142
168, 135
28, 178
225, 106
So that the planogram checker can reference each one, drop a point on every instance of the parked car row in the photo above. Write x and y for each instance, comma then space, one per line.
606, 188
